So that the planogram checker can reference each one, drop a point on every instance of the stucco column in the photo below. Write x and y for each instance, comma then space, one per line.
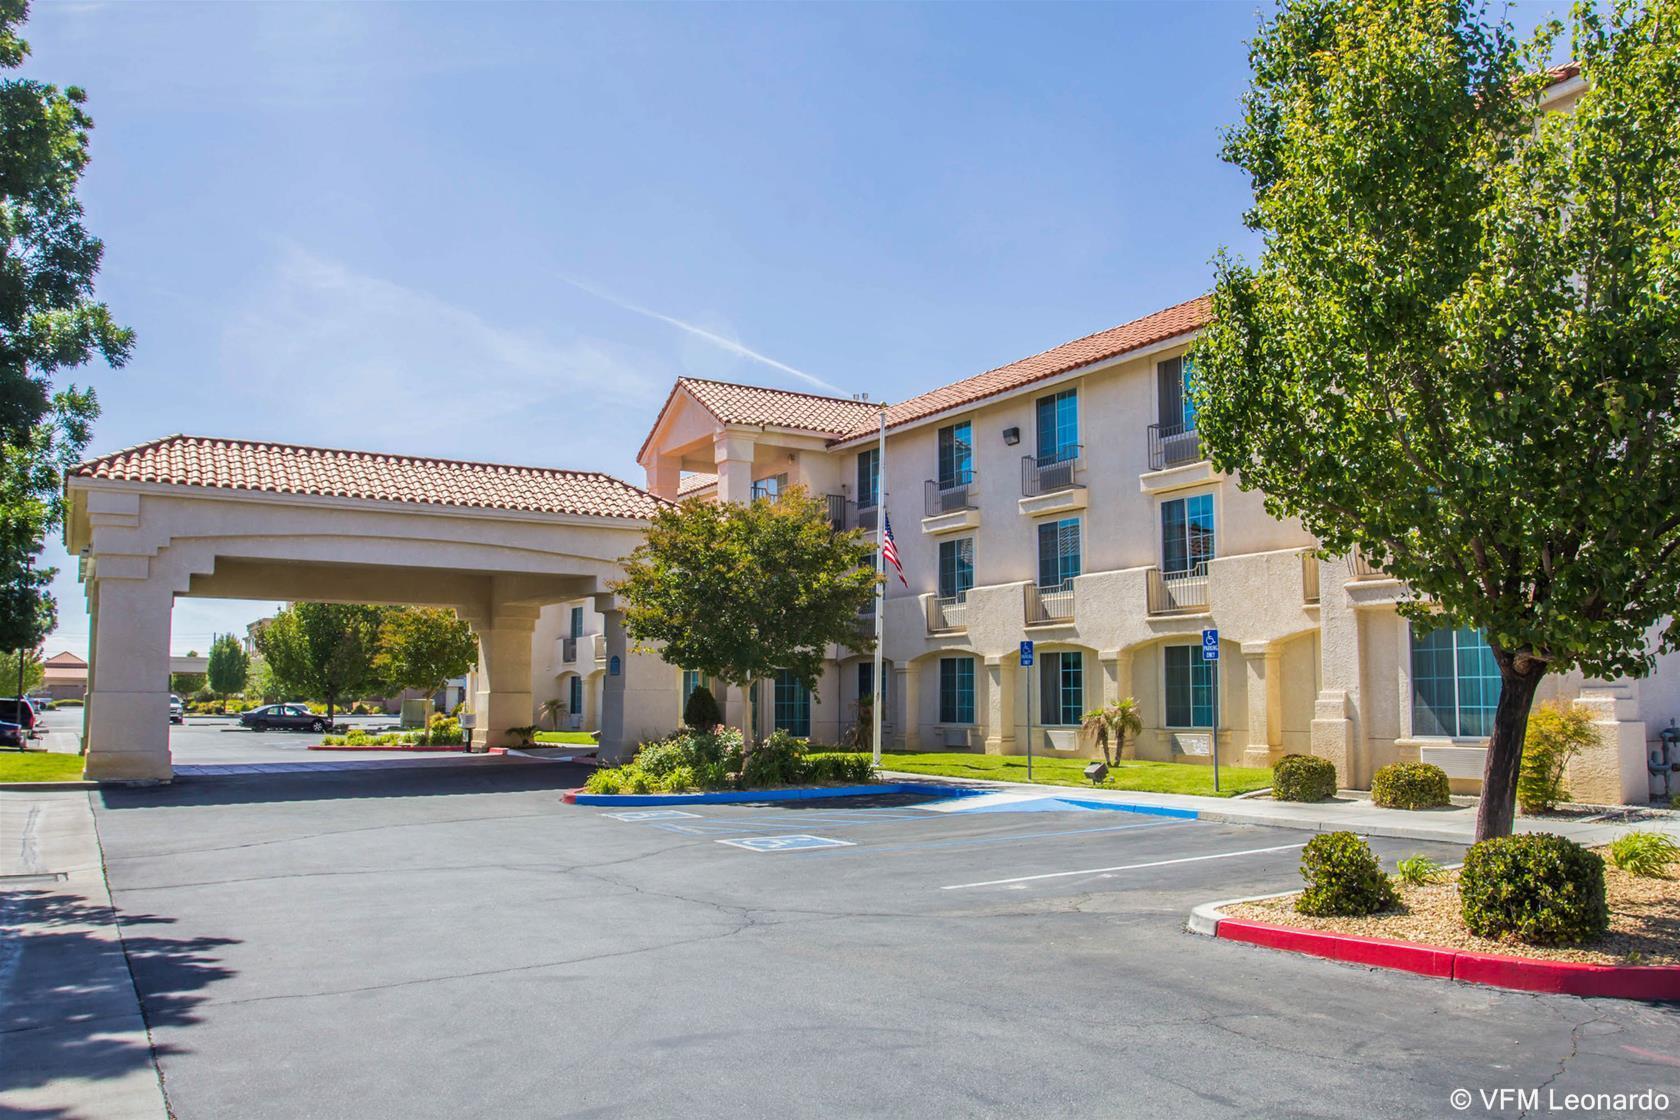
1335, 725
1000, 705
734, 458
504, 676
126, 728
615, 739
1263, 663
663, 475
1116, 684
910, 690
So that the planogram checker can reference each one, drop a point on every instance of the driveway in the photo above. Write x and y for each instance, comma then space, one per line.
457, 943
221, 740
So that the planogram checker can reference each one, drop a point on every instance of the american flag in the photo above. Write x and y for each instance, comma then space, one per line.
889, 550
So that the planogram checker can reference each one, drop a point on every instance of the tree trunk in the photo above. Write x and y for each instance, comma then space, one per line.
1498, 806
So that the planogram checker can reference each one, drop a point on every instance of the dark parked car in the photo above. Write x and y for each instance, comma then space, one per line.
283, 717
11, 735
20, 712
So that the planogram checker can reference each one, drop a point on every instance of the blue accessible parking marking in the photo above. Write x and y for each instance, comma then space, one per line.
794, 843
650, 815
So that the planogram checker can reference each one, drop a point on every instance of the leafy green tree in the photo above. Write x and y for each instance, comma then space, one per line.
423, 647
323, 651
229, 667
33, 673
49, 322
260, 683
1460, 347
741, 591
185, 684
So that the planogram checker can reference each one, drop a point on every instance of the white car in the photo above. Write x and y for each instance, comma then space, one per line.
177, 709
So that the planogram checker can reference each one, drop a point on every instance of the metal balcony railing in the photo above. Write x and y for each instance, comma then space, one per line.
947, 613
1178, 592
1049, 604
949, 499
1042, 474
600, 641
1309, 577
1173, 445
568, 650
844, 514
836, 511
1361, 568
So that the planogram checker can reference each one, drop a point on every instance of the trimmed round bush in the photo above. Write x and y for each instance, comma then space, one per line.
1303, 777
1343, 878
1537, 887
1410, 785
701, 711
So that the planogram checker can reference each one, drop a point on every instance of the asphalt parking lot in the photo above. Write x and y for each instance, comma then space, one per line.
456, 942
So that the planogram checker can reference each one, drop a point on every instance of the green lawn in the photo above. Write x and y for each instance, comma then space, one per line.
1152, 777
38, 766
580, 738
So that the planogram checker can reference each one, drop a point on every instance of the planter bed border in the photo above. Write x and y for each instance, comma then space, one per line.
738, 796
1651, 983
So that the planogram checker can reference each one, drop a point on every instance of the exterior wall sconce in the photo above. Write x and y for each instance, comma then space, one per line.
1012, 436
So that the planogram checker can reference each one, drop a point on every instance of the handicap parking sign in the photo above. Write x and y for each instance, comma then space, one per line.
797, 843
1026, 653
1210, 645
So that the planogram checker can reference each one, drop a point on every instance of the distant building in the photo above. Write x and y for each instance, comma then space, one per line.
64, 676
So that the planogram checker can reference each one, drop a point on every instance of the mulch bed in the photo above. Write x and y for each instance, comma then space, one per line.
1644, 922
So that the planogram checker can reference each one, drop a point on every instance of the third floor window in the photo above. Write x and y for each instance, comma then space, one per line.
956, 455
1177, 407
868, 477
577, 622
1058, 427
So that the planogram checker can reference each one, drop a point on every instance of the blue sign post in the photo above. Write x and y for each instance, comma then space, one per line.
1210, 652
1026, 663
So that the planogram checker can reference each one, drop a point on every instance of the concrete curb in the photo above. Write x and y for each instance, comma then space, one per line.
28, 787
738, 796
1647, 983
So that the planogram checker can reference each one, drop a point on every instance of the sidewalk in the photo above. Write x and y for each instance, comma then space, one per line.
73, 1042
1455, 824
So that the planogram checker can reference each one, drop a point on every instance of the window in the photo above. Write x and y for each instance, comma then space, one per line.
956, 455
1187, 535
771, 487
866, 680
1061, 688
1455, 684
1189, 680
956, 690
793, 705
574, 696
1177, 407
1058, 552
691, 680
576, 629
956, 568
868, 477
1058, 427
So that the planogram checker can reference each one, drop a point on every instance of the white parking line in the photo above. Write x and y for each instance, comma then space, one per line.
1122, 867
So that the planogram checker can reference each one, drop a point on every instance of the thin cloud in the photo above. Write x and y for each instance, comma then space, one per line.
722, 343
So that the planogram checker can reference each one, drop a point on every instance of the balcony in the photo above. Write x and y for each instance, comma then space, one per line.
1309, 577
1173, 445
951, 507
845, 514
947, 614
1360, 568
568, 650
599, 641
1183, 592
1046, 474
1048, 606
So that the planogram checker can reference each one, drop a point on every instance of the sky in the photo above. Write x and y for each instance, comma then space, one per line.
500, 231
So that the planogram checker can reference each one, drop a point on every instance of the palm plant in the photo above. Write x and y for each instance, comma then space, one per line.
552, 710
1114, 723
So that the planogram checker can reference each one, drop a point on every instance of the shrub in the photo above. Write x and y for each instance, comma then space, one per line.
1644, 853
701, 710
1536, 887
1343, 878
778, 761
1419, 871
844, 767
1410, 785
442, 731
70, 703
1557, 732
1303, 777
526, 734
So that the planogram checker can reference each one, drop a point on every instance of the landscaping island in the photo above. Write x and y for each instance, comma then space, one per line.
39, 766
1131, 774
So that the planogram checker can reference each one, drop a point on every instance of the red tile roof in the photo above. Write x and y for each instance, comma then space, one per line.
283, 468
1176, 320
778, 408
693, 483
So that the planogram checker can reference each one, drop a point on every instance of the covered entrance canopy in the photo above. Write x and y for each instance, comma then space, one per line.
223, 518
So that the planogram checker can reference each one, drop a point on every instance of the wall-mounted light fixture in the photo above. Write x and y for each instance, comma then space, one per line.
1012, 436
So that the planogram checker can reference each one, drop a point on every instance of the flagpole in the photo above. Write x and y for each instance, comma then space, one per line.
875, 700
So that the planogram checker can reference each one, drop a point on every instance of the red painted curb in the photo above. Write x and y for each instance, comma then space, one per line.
1528, 974
407, 750
569, 797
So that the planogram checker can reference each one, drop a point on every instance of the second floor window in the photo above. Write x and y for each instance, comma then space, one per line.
1177, 407
1058, 427
1187, 535
577, 622
956, 455
956, 568
868, 477
771, 487
1058, 552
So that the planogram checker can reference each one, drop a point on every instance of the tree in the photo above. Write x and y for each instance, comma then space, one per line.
1116, 722
738, 592
33, 673
552, 710
1458, 350
229, 668
49, 322
185, 684
260, 682
323, 651
422, 647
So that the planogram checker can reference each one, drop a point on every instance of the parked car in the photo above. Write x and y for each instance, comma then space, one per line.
177, 709
20, 712
284, 717
11, 735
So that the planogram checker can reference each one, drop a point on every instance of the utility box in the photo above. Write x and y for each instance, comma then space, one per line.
416, 713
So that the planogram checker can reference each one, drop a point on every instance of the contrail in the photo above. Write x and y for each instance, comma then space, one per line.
717, 340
